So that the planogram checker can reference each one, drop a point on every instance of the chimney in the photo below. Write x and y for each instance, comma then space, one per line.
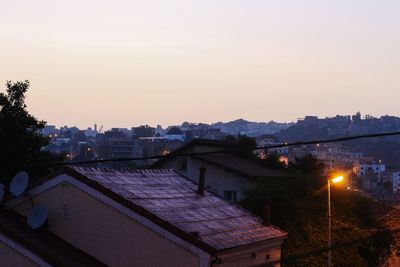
266, 211
202, 177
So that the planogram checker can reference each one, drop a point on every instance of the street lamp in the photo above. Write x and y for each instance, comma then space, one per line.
334, 180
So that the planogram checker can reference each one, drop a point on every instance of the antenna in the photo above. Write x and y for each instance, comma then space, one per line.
19, 183
37, 216
2, 192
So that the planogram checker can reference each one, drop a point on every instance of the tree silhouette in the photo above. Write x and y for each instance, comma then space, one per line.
241, 146
20, 141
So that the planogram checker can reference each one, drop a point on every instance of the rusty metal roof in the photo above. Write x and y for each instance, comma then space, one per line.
171, 201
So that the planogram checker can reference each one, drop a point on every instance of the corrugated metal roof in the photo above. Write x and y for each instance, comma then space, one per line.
172, 198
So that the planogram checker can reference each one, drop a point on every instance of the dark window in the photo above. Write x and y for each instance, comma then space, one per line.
183, 165
230, 196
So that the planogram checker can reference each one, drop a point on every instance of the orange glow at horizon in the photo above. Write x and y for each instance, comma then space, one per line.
126, 63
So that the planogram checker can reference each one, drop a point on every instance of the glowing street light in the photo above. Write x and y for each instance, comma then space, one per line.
336, 179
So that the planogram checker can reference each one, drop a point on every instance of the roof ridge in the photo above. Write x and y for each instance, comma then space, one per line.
113, 184
122, 170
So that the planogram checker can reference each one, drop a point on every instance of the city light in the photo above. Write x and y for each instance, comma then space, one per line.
337, 179
334, 180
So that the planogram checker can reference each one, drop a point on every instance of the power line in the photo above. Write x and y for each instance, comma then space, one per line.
233, 149
289, 258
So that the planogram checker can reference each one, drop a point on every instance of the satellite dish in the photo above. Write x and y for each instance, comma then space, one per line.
1, 192
19, 183
37, 216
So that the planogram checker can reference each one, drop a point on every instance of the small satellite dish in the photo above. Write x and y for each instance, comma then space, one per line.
37, 216
19, 183
1, 192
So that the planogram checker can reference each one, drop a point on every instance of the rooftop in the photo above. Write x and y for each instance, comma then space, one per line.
170, 200
222, 159
187, 147
240, 165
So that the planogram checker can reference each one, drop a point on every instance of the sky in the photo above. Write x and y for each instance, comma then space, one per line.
125, 63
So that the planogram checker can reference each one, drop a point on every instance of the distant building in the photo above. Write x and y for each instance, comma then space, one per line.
308, 120
363, 168
89, 132
116, 148
158, 145
298, 152
369, 184
336, 158
249, 128
118, 134
270, 140
49, 130
143, 131
59, 146
159, 131
396, 181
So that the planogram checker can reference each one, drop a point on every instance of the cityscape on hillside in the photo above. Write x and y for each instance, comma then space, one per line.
199, 133
377, 161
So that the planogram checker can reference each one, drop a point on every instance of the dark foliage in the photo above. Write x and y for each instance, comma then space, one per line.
241, 146
20, 141
299, 206
272, 160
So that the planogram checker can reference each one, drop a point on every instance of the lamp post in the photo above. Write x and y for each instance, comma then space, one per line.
331, 180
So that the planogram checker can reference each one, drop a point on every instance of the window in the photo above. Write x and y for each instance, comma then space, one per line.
230, 196
183, 165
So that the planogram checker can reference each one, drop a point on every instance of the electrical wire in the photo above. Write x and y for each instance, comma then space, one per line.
171, 155
288, 259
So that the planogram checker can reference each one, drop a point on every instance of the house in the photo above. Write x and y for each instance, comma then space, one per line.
395, 180
337, 158
226, 174
368, 166
149, 218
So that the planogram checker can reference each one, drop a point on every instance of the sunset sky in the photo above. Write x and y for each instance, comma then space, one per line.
124, 63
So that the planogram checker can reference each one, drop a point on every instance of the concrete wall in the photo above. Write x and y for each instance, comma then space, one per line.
10, 257
106, 233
